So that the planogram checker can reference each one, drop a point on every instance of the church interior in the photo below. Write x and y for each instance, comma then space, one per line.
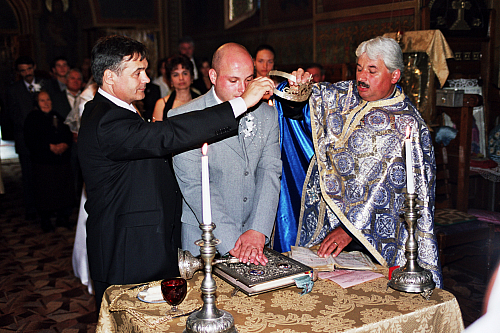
452, 74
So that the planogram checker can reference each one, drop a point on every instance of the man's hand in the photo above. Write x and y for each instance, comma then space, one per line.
249, 248
301, 77
334, 241
256, 89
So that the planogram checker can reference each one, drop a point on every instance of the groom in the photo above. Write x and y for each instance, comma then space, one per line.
245, 170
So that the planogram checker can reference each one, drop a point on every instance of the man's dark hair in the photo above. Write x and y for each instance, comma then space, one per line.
176, 60
318, 66
53, 62
111, 52
264, 47
24, 60
186, 39
160, 64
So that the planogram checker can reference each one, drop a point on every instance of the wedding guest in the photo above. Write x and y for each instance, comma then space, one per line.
186, 47
133, 201
203, 84
317, 72
263, 61
162, 79
20, 101
245, 170
58, 89
49, 141
180, 71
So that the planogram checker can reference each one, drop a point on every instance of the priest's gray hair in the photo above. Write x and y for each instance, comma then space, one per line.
385, 48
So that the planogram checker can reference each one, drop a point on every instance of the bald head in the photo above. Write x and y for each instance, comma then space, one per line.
232, 70
228, 50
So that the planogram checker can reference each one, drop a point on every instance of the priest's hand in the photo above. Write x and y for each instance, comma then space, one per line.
256, 89
334, 241
301, 77
250, 248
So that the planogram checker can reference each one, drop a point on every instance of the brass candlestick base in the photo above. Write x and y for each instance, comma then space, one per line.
209, 319
412, 278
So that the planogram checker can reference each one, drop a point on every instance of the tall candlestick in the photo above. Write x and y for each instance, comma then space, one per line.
205, 187
410, 185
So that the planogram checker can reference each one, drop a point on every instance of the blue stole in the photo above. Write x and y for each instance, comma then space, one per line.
297, 150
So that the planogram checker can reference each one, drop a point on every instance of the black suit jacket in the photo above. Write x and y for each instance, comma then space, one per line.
20, 102
133, 228
60, 103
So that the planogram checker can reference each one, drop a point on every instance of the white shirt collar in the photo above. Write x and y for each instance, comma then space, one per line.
217, 99
117, 101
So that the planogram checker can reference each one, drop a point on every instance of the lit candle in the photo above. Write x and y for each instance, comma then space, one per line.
205, 187
410, 186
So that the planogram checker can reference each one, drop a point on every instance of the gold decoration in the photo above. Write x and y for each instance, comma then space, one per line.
298, 93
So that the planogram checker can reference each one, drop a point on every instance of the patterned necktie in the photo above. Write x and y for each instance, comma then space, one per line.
31, 88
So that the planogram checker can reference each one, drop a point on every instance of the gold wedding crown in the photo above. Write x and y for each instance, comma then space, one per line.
298, 93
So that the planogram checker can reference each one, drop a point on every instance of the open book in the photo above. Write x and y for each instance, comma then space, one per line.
354, 260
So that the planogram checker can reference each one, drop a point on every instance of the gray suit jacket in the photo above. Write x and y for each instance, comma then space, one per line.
245, 173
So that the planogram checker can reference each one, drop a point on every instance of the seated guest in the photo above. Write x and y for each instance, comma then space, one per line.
162, 79
180, 71
317, 72
356, 183
203, 84
49, 140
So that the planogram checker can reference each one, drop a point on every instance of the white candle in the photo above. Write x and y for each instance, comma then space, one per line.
410, 185
205, 187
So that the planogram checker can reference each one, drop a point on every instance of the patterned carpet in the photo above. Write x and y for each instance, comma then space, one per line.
39, 293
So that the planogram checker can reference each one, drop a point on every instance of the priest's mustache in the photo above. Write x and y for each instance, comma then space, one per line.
363, 84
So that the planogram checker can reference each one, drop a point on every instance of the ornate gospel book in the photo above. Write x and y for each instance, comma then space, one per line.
252, 279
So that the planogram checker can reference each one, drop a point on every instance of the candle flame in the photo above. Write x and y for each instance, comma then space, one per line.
408, 131
204, 149
270, 102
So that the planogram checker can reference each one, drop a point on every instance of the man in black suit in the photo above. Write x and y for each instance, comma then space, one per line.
57, 87
133, 228
21, 101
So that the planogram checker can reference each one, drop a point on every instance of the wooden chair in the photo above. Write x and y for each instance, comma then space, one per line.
457, 232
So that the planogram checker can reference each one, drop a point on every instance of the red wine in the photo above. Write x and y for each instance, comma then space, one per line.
174, 290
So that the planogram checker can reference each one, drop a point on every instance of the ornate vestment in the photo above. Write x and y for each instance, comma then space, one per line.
357, 176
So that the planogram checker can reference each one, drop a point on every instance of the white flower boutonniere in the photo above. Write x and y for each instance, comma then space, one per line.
247, 125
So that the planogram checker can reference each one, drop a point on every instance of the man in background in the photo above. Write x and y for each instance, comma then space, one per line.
245, 170
317, 72
186, 47
58, 89
21, 101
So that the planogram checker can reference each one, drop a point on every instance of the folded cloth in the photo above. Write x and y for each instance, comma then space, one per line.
484, 163
151, 294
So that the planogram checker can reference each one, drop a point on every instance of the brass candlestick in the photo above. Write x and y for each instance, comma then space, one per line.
209, 319
412, 278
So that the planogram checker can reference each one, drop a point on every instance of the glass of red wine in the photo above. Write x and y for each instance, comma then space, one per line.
174, 290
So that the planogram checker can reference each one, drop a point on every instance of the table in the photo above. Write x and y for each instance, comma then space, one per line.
368, 307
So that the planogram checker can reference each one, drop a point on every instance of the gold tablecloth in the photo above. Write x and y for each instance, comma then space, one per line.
368, 307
